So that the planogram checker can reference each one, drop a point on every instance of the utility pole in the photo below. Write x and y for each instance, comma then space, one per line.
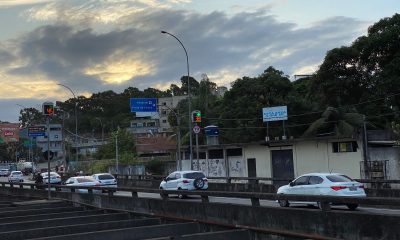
116, 152
365, 138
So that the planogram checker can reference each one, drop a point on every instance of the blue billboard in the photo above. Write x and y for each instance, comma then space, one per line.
143, 104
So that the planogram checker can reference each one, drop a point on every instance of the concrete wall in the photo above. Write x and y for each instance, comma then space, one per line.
333, 224
317, 156
263, 159
308, 156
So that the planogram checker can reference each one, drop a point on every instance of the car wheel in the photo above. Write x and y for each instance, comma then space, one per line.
352, 206
283, 203
163, 195
198, 183
181, 196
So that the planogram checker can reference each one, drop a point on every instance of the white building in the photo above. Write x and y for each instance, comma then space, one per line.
56, 139
150, 124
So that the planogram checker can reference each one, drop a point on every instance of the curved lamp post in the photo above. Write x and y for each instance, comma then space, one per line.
189, 104
76, 120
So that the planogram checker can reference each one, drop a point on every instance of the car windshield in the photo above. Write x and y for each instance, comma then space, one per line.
194, 175
105, 177
17, 173
83, 180
339, 178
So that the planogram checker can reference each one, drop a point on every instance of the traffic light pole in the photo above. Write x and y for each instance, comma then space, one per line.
48, 156
197, 151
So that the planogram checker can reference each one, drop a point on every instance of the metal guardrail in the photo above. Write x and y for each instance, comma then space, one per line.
255, 180
255, 197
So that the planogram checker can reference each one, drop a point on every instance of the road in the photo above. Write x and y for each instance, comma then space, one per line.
242, 201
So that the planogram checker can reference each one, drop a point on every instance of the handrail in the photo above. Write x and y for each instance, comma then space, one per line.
255, 197
255, 179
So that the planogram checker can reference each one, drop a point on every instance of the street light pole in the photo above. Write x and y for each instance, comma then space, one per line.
76, 120
189, 100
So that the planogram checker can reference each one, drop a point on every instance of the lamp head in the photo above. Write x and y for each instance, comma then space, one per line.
163, 32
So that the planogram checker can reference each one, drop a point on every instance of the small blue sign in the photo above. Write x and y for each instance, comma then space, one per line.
211, 130
143, 104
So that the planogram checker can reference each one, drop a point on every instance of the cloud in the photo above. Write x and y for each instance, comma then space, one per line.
133, 52
8, 3
94, 11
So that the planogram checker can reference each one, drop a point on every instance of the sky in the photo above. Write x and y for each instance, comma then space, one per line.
98, 45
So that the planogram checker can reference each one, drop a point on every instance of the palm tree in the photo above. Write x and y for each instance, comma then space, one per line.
337, 122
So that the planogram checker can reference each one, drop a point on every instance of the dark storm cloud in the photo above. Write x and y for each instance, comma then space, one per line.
214, 41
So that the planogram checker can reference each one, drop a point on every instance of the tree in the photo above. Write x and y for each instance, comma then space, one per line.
335, 122
194, 85
243, 104
126, 146
30, 116
368, 69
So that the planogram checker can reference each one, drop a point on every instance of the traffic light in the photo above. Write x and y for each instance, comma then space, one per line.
48, 109
196, 116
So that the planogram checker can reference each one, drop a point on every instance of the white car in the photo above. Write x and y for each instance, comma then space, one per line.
55, 178
16, 176
4, 172
326, 184
83, 181
105, 179
185, 180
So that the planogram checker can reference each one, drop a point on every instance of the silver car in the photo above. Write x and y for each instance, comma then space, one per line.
185, 180
4, 172
16, 176
83, 181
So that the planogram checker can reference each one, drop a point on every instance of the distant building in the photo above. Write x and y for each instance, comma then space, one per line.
152, 124
55, 140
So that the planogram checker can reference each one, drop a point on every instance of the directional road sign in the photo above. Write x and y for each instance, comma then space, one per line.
143, 104
36, 131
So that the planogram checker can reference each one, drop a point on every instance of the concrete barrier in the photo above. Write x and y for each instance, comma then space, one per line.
310, 223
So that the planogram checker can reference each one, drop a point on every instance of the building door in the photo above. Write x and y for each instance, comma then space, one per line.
251, 167
282, 166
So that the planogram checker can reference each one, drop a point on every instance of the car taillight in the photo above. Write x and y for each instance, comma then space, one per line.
337, 188
185, 181
361, 186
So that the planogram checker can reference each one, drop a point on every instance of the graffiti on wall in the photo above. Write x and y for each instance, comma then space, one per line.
236, 167
216, 168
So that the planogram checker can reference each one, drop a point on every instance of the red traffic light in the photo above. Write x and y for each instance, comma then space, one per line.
48, 109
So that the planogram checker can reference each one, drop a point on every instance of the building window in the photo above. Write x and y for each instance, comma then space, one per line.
164, 103
216, 154
344, 146
164, 112
234, 152
164, 120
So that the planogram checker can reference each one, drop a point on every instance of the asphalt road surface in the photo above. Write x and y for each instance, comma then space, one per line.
242, 201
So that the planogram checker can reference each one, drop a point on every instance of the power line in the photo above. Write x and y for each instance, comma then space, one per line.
307, 113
